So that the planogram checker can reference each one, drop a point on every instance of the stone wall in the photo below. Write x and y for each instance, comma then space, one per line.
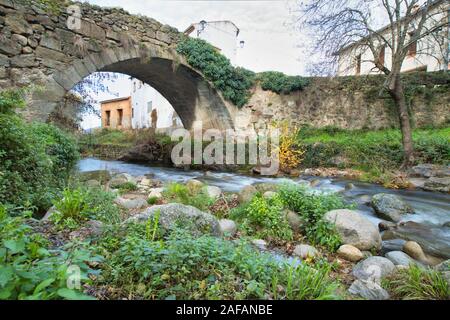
345, 103
38, 48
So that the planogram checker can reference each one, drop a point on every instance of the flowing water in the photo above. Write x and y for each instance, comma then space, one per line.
431, 209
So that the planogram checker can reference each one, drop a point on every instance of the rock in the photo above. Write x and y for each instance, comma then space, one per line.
429, 170
146, 182
434, 240
364, 199
93, 183
194, 185
266, 186
350, 253
305, 251
349, 186
443, 266
100, 175
213, 192
390, 207
373, 268
437, 184
156, 193
386, 225
314, 183
294, 220
414, 250
120, 179
227, 227
355, 229
260, 244
18, 24
399, 258
446, 225
175, 215
392, 245
269, 194
130, 204
247, 194
368, 290
418, 183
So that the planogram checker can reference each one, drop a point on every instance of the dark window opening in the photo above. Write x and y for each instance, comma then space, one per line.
358, 64
120, 111
108, 118
412, 48
382, 56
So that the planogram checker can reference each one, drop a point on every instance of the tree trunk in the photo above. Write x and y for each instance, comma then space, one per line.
398, 95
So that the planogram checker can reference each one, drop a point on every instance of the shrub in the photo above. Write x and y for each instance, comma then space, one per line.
280, 83
152, 200
127, 187
183, 267
234, 83
35, 160
264, 218
312, 207
81, 204
416, 283
178, 193
29, 270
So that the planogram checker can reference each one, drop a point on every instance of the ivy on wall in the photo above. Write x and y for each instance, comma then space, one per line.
234, 82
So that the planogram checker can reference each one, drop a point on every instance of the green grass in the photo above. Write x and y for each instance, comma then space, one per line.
369, 150
416, 283
178, 193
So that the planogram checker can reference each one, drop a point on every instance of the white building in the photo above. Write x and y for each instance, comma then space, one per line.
144, 99
431, 53
221, 34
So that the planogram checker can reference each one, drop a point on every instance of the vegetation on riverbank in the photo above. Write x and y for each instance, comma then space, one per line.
35, 159
377, 153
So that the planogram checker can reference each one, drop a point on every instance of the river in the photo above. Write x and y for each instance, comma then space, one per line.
431, 209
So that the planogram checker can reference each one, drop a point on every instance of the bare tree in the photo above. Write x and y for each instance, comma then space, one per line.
354, 26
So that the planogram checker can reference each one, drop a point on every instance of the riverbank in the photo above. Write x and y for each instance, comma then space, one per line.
264, 239
366, 156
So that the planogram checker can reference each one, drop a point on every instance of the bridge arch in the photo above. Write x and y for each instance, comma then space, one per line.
54, 58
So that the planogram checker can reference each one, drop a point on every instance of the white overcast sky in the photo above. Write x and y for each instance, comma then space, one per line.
271, 43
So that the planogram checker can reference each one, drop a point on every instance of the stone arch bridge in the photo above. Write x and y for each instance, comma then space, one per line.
39, 48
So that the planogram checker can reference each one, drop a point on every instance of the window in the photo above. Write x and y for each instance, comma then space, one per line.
358, 65
412, 49
120, 118
108, 118
382, 55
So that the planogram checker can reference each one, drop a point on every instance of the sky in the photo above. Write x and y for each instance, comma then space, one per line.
271, 42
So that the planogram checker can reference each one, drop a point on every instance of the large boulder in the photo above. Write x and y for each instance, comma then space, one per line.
414, 250
373, 269
355, 229
247, 194
429, 170
350, 253
368, 290
392, 245
433, 240
175, 215
437, 184
390, 207
399, 258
